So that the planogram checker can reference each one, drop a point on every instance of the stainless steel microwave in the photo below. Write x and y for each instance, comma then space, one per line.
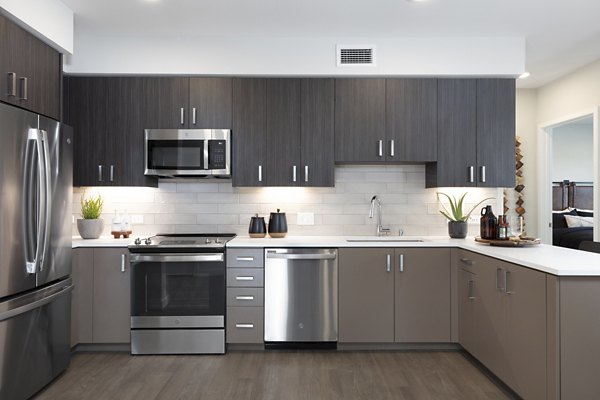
187, 152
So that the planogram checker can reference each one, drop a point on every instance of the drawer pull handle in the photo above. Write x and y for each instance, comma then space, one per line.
244, 258
467, 261
244, 298
244, 326
244, 278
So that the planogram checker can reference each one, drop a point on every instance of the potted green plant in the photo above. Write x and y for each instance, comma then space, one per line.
90, 226
457, 219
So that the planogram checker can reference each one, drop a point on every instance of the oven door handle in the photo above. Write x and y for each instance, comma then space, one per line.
205, 257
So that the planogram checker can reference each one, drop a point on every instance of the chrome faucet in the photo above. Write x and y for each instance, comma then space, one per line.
380, 231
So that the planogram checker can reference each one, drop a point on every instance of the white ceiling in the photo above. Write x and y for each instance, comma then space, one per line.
561, 35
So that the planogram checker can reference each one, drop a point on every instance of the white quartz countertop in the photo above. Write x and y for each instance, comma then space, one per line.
550, 259
103, 241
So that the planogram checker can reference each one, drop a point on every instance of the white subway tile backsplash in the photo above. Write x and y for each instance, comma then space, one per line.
209, 206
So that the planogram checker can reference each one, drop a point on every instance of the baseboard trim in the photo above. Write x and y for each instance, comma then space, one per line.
399, 346
100, 347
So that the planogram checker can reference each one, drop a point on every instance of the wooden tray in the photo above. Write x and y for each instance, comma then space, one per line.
512, 242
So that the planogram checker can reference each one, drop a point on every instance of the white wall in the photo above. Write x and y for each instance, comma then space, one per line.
209, 206
293, 56
572, 153
527, 131
49, 20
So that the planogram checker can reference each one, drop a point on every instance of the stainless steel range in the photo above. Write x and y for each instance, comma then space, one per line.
178, 294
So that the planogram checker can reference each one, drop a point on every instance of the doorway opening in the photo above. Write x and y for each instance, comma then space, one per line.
568, 180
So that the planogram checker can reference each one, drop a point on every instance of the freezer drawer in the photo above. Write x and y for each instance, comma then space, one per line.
35, 340
301, 295
178, 341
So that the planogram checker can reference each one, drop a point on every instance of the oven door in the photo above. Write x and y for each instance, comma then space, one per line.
175, 152
177, 290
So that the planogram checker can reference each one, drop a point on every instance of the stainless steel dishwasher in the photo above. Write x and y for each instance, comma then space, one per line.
301, 298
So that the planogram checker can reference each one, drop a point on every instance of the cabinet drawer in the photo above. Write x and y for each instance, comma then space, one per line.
245, 258
245, 277
245, 297
245, 324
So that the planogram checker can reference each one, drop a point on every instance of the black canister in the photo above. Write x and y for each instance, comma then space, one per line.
488, 224
277, 224
257, 228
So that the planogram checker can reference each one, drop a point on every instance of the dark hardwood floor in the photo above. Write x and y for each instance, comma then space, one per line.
276, 375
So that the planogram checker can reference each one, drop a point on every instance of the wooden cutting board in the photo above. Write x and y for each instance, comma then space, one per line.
512, 242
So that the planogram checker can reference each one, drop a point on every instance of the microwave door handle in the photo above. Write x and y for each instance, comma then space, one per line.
206, 166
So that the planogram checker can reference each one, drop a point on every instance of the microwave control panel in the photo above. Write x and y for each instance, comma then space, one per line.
216, 150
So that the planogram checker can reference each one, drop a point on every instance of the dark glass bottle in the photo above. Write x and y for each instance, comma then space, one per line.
488, 226
502, 227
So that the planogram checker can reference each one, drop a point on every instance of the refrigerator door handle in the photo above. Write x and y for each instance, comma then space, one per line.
47, 197
32, 265
11, 312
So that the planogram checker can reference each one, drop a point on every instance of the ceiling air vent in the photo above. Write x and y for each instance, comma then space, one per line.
355, 55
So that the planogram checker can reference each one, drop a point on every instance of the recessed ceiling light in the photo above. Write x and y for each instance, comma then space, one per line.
417, 1
524, 75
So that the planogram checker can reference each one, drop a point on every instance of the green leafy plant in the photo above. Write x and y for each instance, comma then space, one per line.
91, 208
456, 207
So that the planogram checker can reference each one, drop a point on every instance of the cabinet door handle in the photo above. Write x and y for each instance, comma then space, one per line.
470, 285
294, 173
244, 258
11, 84
123, 263
498, 272
182, 115
388, 267
380, 148
471, 174
23, 81
244, 298
392, 153
244, 278
244, 326
401, 262
483, 174
112, 173
260, 173
194, 116
100, 177
467, 261
306, 173
506, 276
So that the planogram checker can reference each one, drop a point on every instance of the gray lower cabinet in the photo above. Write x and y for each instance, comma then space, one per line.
422, 295
101, 300
502, 321
394, 295
82, 300
245, 296
366, 295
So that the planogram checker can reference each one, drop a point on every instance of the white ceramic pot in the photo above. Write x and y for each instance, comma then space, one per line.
90, 228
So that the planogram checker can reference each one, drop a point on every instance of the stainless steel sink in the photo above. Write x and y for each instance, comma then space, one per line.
386, 240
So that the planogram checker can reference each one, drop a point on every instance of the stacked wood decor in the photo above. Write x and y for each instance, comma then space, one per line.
520, 186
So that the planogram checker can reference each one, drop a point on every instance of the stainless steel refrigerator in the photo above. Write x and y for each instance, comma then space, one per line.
35, 251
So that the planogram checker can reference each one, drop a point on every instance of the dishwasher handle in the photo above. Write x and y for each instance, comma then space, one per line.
315, 256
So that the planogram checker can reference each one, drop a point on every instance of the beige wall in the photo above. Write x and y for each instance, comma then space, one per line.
527, 131
572, 94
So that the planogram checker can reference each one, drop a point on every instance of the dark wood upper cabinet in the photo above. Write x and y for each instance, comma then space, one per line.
496, 132
166, 102
283, 128
359, 120
476, 134
411, 120
30, 71
108, 121
211, 103
249, 132
317, 133
283, 132
457, 134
